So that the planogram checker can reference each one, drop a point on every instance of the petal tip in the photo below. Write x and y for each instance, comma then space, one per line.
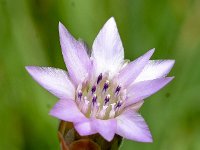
148, 139
30, 69
172, 63
52, 112
112, 19
144, 139
170, 78
110, 139
60, 25
62, 29
151, 51
111, 22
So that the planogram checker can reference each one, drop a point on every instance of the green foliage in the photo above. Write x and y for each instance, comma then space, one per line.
29, 36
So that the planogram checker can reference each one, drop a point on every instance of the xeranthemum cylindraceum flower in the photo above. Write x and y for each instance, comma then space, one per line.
102, 93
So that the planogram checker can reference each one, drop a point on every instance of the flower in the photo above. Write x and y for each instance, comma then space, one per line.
102, 93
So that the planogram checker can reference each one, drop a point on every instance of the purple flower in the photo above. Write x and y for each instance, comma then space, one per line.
102, 93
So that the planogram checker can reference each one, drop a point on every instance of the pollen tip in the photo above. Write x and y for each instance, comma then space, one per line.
80, 94
107, 99
99, 78
106, 84
93, 89
119, 104
94, 99
117, 89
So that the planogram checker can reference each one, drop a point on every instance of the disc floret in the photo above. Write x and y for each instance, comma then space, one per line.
102, 99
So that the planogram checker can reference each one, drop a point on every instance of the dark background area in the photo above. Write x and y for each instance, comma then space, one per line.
29, 36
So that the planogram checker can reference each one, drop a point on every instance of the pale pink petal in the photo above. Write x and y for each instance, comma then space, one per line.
106, 128
75, 56
67, 110
54, 80
107, 49
85, 128
155, 69
130, 72
144, 89
132, 126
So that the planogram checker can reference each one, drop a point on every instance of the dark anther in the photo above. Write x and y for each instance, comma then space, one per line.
94, 99
80, 94
117, 89
105, 87
119, 104
93, 89
99, 78
107, 99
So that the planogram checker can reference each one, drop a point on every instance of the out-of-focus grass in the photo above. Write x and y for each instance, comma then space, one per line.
29, 36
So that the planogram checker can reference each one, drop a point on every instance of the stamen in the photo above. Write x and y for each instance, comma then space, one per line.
117, 90
103, 99
80, 94
93, 89
105, 87
94, 99
85, 98
119, 104
99, 78
85, 106
107, 99
112, 112
81, 104
103, 112
94, 110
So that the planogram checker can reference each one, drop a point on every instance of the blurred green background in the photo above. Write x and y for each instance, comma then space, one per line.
29, 36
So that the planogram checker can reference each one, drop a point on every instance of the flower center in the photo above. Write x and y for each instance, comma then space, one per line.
103, 99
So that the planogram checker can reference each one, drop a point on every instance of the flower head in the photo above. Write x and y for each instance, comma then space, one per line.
102, 93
